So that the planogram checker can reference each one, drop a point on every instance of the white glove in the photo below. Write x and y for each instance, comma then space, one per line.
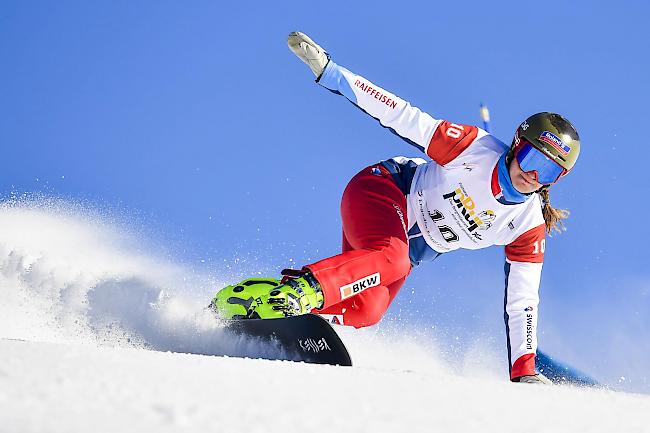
537, 378
309, 52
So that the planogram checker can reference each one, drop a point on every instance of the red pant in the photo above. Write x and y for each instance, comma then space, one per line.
360, 283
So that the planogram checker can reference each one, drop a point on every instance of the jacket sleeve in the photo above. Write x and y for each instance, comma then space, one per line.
441, 140
523, 269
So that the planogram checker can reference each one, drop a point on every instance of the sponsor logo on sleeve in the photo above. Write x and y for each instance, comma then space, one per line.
373, 92
555, 141
360, 285
529, 331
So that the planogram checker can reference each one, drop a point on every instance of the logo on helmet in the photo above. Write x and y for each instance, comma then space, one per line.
555, 141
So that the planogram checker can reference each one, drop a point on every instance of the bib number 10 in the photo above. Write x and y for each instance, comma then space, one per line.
455, 130
539, 246
445, 231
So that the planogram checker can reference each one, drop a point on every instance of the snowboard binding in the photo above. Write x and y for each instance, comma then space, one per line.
242, 300
267, 298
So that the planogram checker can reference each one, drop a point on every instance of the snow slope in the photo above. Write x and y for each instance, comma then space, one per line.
91, 323
72, 387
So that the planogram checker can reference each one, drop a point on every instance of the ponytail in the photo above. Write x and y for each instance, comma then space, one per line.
552, 217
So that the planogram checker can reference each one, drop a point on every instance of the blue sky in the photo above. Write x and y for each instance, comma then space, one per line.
195, 120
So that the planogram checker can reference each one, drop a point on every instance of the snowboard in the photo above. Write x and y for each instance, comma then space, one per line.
307, 338
561, 373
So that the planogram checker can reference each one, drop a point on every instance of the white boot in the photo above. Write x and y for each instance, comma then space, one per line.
309, 52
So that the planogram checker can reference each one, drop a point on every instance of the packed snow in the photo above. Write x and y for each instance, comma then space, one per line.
98, 334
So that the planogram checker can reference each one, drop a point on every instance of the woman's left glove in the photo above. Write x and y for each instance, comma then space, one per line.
309, 52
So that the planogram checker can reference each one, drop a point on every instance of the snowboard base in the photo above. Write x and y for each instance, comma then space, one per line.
309, 338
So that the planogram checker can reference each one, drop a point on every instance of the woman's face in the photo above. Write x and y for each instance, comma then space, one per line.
524, 182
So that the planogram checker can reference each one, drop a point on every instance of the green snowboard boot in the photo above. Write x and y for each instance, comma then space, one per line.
267, 298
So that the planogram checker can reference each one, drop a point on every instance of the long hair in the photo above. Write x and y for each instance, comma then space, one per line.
553, 217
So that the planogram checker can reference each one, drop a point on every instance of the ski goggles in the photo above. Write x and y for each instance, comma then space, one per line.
531, 159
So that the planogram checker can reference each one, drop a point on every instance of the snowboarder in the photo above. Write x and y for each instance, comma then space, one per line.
475, 192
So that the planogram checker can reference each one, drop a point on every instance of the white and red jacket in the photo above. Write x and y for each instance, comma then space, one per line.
456, 201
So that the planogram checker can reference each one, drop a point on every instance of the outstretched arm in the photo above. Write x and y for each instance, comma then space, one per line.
439, 139
408, 122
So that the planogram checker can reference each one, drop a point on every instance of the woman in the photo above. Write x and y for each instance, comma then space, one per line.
476, 192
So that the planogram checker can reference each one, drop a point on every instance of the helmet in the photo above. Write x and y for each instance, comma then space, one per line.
553, 135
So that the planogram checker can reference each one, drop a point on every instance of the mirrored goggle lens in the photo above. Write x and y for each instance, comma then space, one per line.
531, 159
